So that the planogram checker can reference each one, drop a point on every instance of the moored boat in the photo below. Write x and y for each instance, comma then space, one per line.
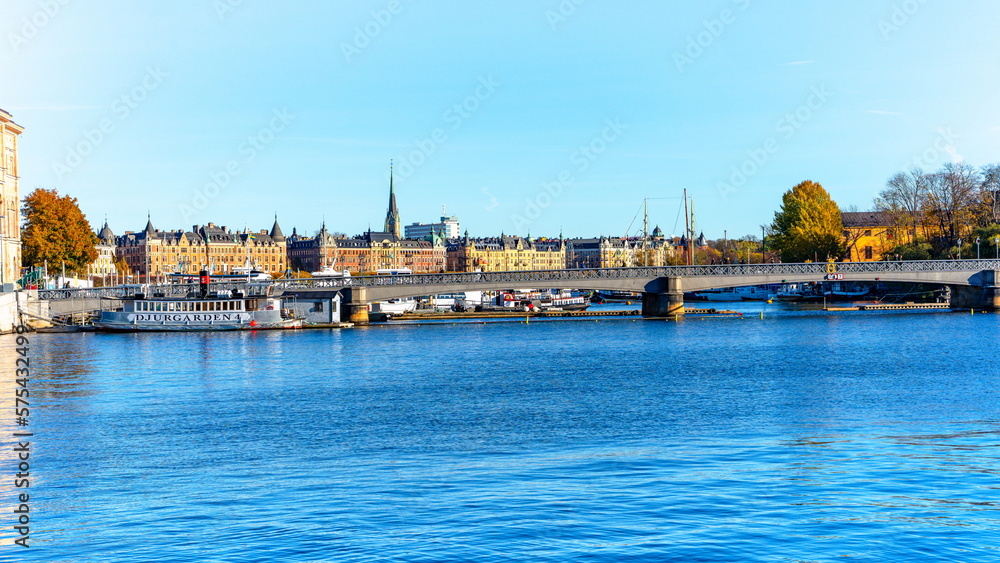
329, 272
198, 311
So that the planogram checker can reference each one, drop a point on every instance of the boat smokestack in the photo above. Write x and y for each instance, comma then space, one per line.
203, 280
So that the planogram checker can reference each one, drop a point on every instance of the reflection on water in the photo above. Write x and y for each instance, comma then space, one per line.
804, 437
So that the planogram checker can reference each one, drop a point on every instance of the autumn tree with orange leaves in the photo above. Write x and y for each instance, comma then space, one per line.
56, 231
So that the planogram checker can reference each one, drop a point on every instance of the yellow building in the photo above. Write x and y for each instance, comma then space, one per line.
10, 211
104, 266
505, 254
869, 235
158, 253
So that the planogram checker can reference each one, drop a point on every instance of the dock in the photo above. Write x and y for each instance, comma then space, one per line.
513, 315
902, 306
544, 314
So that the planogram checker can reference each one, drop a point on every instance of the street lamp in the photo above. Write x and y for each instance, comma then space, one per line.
996, 244
959, 249
977, 248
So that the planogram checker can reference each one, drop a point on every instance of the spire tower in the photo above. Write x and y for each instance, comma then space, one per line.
392, 223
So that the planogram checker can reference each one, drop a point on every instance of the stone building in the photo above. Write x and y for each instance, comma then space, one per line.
104, 265
620, 252
10, 201
505, 254
366, 253
208, 246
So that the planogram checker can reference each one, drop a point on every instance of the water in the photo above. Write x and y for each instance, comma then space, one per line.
806, 436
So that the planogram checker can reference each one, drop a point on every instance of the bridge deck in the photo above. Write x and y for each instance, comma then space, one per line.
641, 279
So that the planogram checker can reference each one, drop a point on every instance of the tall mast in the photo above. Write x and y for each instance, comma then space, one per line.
645, 230
687, 229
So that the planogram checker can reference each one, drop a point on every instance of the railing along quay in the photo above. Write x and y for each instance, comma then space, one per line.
575, 278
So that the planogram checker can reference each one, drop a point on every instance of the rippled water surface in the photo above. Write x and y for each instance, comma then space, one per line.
800, 437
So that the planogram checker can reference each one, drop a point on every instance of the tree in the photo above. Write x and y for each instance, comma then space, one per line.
808, 225
122, 267
56, 231
952, 197
904, 198
989, 192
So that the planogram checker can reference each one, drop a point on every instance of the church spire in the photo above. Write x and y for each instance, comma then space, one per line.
392, 223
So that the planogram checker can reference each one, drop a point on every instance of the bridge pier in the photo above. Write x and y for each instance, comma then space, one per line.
985, 297
664, 304
356, 305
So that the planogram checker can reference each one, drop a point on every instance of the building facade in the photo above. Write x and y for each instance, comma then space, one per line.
505, 254
104, 265
870, 235
366, 253
448, 228
150, 252
10, 200
621, 252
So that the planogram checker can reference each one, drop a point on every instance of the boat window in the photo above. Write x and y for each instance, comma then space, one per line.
171, 306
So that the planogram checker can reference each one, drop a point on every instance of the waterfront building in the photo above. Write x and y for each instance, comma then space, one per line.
366, 253
621, 252
10, 201
152, 252
505, 253
104, 265
448, 228
870, 235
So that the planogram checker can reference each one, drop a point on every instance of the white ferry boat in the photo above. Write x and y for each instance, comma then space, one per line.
329, 272
230, 310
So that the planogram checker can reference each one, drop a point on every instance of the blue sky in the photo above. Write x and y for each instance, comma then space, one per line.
540, 116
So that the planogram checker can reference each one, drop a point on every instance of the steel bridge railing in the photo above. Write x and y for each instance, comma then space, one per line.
575, 278
254, 289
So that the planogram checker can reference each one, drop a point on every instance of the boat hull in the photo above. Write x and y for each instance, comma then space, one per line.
120, 327
131, 321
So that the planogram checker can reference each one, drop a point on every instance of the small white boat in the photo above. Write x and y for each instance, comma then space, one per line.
329, 272
394, 307
461, 299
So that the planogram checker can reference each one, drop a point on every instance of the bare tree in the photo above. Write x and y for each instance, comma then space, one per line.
989, 192
952, 197
904, 199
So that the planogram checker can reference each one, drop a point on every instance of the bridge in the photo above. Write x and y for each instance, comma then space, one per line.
974, 283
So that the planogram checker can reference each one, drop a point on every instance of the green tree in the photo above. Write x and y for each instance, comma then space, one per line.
808, 226
56, 231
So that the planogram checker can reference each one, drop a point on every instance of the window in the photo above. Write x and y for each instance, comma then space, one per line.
868, 253
868, 232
